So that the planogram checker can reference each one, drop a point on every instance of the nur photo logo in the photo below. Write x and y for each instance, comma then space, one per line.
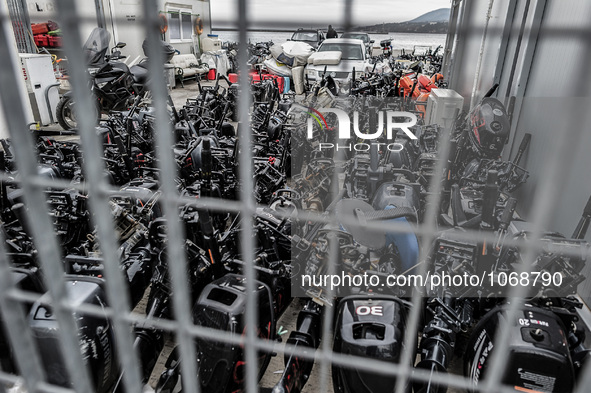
388, 123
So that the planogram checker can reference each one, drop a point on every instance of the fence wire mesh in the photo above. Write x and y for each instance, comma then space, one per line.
13, 300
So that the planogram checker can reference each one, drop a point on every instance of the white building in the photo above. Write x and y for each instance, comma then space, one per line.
122, 18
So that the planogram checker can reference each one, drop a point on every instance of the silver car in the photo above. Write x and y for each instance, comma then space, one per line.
367, 41
310, 37
353, 56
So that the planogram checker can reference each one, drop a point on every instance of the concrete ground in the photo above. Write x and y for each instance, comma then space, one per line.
180, 94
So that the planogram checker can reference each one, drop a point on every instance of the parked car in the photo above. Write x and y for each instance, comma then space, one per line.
352, 55
310, 37
361, 36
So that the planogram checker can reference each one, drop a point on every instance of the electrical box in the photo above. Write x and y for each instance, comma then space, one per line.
442, 105
42, 86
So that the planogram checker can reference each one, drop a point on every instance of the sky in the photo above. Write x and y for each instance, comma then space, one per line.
290, 14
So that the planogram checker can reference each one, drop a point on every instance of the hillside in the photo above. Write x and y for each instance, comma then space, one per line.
435, 22
440, 15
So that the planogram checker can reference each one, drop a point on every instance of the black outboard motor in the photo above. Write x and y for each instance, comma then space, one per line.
222, 306
489, 127
369, 327
27, 279
538, 358
95, 336
482, 136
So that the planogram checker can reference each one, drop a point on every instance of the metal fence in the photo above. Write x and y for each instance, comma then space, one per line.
21, 25
27, 357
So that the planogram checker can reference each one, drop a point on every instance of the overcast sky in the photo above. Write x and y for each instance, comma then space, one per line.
305, 13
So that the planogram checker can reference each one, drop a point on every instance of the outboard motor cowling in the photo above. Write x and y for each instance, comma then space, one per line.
489, 127
538, 358
95, 336
222, 306
368, 327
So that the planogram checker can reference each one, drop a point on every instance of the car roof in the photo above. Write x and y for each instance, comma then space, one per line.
343, 41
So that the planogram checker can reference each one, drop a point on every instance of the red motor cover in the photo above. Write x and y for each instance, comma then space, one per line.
436, 78
425, 82
406, 84
280, 82
421, 104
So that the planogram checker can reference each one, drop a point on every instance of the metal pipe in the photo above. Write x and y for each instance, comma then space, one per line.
46, 93
481, 54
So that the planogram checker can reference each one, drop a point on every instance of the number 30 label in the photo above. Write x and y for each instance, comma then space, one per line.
367, 310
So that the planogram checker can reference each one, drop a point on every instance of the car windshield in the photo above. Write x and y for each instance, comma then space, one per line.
349, 51
357, 36
304, 36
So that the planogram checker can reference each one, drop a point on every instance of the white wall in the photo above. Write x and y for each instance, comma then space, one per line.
552, 98
197, 7
44, 10
557, 106
123, 19
470, 40
128, 15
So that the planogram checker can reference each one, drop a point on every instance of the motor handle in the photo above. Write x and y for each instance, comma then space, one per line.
508, 213
491, 91
522, 147
414, 86
489, 199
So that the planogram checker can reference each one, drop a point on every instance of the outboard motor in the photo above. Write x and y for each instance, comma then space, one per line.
403, 247
538, 357
393, 195
95, 336
489, 127
369, 327
222, 306
27, 279
482, 136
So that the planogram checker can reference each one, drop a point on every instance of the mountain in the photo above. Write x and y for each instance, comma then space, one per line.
440, 15
435, 22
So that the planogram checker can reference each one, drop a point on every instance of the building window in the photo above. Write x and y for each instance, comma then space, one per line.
180, 24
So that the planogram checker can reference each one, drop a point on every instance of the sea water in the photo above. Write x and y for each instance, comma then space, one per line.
399, 40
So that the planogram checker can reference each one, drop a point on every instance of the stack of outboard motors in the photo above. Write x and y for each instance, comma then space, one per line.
348, 192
